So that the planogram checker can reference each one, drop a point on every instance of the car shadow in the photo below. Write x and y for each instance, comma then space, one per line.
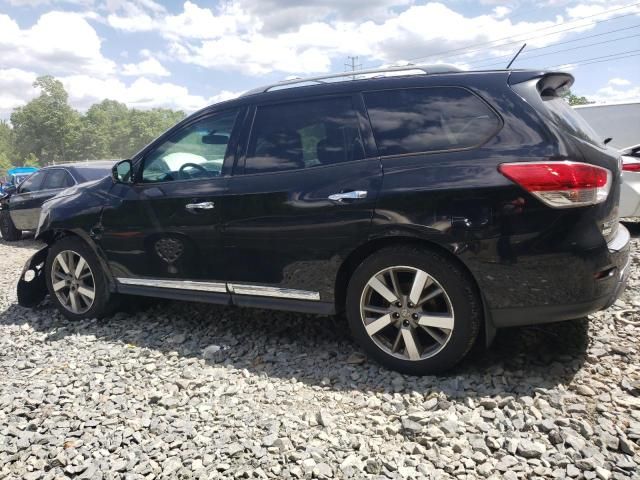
633, 227
27, 242
318, 350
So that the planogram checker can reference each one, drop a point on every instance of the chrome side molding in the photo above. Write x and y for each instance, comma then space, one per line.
217, 287
177, 284
262, 291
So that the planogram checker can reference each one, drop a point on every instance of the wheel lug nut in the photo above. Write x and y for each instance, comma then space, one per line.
410, 305
396, 315
398, 304
405, 323
415, 316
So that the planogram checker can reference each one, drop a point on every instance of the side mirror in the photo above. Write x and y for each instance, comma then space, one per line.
10, 189
122, 172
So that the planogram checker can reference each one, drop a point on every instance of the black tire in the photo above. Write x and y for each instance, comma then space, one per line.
104, 301
9, 231
461, 298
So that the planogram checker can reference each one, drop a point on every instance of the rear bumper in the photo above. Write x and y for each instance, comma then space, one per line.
609, 288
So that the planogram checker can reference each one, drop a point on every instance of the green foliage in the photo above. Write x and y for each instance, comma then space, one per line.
48, 130
575, 100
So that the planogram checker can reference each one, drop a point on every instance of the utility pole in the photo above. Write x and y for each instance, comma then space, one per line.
352, 65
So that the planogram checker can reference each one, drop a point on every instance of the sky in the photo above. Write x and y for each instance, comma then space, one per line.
189, 54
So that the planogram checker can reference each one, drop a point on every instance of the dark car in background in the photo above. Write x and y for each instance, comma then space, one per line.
20, 204
430, 205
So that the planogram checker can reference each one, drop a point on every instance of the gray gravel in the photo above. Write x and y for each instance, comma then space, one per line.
180, 390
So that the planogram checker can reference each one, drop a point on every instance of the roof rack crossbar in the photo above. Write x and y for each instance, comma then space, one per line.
427, 69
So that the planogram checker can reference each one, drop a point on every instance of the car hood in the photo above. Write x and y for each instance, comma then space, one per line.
94, 185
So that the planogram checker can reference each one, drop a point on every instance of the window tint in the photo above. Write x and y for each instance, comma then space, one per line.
57, 178
196, 151
32, 184
94, 173
570, 120
428, 119
304, 134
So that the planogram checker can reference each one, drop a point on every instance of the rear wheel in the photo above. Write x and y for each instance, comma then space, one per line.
75, 280
413, 310
8, 229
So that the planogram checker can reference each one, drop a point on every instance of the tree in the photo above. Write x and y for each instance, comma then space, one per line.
6, 148
46, 126
575, 100
47, 129
144, 126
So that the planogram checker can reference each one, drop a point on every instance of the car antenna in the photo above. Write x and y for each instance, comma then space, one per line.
516, 56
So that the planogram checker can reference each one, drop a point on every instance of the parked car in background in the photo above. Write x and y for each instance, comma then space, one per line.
16, 176
618, 121
430, 207
20, 204
630, 194
621, 123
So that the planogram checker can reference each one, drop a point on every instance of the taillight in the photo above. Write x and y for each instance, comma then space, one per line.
561, 184
630, 164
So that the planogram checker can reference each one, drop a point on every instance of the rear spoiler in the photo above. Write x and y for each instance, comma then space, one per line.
550, 84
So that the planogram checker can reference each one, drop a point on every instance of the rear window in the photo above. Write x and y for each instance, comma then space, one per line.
569, 120
415, 120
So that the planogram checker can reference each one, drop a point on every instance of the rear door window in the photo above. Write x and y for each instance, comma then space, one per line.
415, 120
304, 134
57, 178
33, 183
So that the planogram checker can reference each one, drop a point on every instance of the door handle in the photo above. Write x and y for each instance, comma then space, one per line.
353, 195
199, 206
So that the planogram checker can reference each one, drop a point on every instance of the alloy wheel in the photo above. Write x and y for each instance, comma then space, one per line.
73, 282
407, 313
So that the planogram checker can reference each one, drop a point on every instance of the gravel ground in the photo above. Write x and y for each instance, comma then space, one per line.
180, 390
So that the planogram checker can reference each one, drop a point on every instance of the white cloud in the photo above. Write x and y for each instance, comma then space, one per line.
616, 90
142, 93
222, 96
501, 11
235, 35
16, 87
621, 82
59, 42
148, 67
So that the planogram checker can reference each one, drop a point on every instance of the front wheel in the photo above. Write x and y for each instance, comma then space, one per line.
413, 310
9, 231
75, 280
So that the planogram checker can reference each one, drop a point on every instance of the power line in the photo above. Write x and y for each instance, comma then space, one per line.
467, 49
586, 61
473, 62
566, 50
598, 61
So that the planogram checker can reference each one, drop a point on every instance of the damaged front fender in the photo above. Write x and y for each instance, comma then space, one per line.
32, 287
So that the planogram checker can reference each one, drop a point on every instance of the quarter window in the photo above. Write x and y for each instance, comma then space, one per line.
196, 151
428, 119
303, 135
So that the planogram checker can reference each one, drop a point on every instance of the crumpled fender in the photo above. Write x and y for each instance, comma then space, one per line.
32, 288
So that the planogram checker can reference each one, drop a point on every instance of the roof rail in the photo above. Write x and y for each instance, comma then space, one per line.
353, 75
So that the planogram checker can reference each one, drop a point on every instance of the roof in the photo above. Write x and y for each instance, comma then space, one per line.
85, 164
353, 75
612, 104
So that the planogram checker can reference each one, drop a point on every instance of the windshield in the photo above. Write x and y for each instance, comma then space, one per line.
16, 179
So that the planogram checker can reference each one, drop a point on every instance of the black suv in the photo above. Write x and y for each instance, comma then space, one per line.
432, 206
